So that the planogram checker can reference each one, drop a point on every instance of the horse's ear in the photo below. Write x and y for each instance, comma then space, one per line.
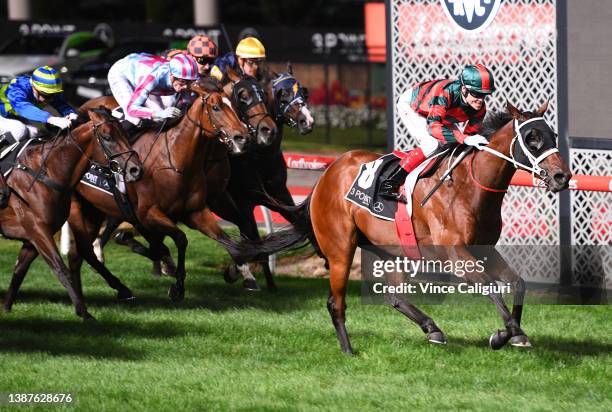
290, 68
543, 108
514, 112
95, 115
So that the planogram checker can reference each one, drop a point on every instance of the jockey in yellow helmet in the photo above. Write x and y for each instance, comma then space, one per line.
247, 59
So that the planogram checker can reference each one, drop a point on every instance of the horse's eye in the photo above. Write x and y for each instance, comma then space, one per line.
534, 140
216, 107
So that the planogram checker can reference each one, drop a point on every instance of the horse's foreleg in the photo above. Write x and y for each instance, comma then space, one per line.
226, 207
156, 221
499, 268
427, 325
205, 222
27, 254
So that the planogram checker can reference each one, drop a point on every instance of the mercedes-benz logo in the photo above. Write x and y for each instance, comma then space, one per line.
378, 207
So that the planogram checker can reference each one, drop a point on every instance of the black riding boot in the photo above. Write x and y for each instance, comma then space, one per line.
5, 192
389, 188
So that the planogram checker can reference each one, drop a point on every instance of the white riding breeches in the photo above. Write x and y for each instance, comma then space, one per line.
416, 124
18, 129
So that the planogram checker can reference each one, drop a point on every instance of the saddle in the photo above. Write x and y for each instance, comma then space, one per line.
10, 153
364, 192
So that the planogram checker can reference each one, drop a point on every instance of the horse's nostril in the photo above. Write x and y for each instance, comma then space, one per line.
561, 178
266, 131
134, 171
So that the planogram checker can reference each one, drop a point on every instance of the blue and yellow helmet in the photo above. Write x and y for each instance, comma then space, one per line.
47, 80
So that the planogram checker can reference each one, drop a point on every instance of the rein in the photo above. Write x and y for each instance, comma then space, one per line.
534, 168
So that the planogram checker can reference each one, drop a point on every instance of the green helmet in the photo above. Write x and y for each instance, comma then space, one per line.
478, 79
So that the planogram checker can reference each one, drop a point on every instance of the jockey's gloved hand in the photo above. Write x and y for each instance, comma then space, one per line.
476, 140
61, 122
72, 117
167, 113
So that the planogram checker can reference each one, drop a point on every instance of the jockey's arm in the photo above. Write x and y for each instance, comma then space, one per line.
24, 107
474, 125
439, 127
61, 105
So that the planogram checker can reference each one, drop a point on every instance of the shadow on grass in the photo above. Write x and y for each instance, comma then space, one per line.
205, 292
75, 338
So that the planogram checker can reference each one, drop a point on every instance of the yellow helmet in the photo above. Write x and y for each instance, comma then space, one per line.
250, 48
47, 80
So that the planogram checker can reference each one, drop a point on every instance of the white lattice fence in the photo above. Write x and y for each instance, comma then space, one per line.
520, 49
592, 220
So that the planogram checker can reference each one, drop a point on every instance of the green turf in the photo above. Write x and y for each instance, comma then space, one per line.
341, 140
224, 348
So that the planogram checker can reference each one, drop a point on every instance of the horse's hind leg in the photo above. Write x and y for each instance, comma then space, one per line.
428, 326
42, 239
27, 254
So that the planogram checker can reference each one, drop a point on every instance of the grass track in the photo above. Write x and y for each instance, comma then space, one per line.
225, 348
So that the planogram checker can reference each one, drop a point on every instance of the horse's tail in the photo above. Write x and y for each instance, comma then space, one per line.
294, 236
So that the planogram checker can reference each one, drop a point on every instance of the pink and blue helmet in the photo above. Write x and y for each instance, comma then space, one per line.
183, 66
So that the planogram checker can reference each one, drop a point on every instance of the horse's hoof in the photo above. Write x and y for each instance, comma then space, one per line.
499, 339
87, 318
176, 294
230, 275
520, 341
437, 338
125, 295
168, 269
156, 269
251, 284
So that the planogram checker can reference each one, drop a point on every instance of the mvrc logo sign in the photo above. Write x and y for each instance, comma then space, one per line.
471, 15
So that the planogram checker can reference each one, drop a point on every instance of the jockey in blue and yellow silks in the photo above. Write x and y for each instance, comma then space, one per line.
433, 112
250, 54
22, 99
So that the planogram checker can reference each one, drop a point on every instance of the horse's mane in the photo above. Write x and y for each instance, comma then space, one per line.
210, 84
494, 121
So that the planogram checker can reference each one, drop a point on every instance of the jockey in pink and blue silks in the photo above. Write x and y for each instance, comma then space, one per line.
149, 87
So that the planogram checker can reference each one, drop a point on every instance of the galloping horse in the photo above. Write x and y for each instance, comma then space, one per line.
42, 181
249, 102
468, 212
261, 173
188, 162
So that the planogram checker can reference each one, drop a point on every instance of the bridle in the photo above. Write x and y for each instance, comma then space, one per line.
257, 92
217, 132
534, 161
111, 157
283, 107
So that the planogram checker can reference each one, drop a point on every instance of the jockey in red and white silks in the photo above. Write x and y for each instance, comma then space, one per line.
148, 86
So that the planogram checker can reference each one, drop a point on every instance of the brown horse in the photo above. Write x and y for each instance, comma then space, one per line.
464, 213
249, 101
184, 167
42, 182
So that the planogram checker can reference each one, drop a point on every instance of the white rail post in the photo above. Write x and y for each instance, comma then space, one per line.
269, 229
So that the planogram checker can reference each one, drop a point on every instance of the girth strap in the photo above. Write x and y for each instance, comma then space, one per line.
40, 176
